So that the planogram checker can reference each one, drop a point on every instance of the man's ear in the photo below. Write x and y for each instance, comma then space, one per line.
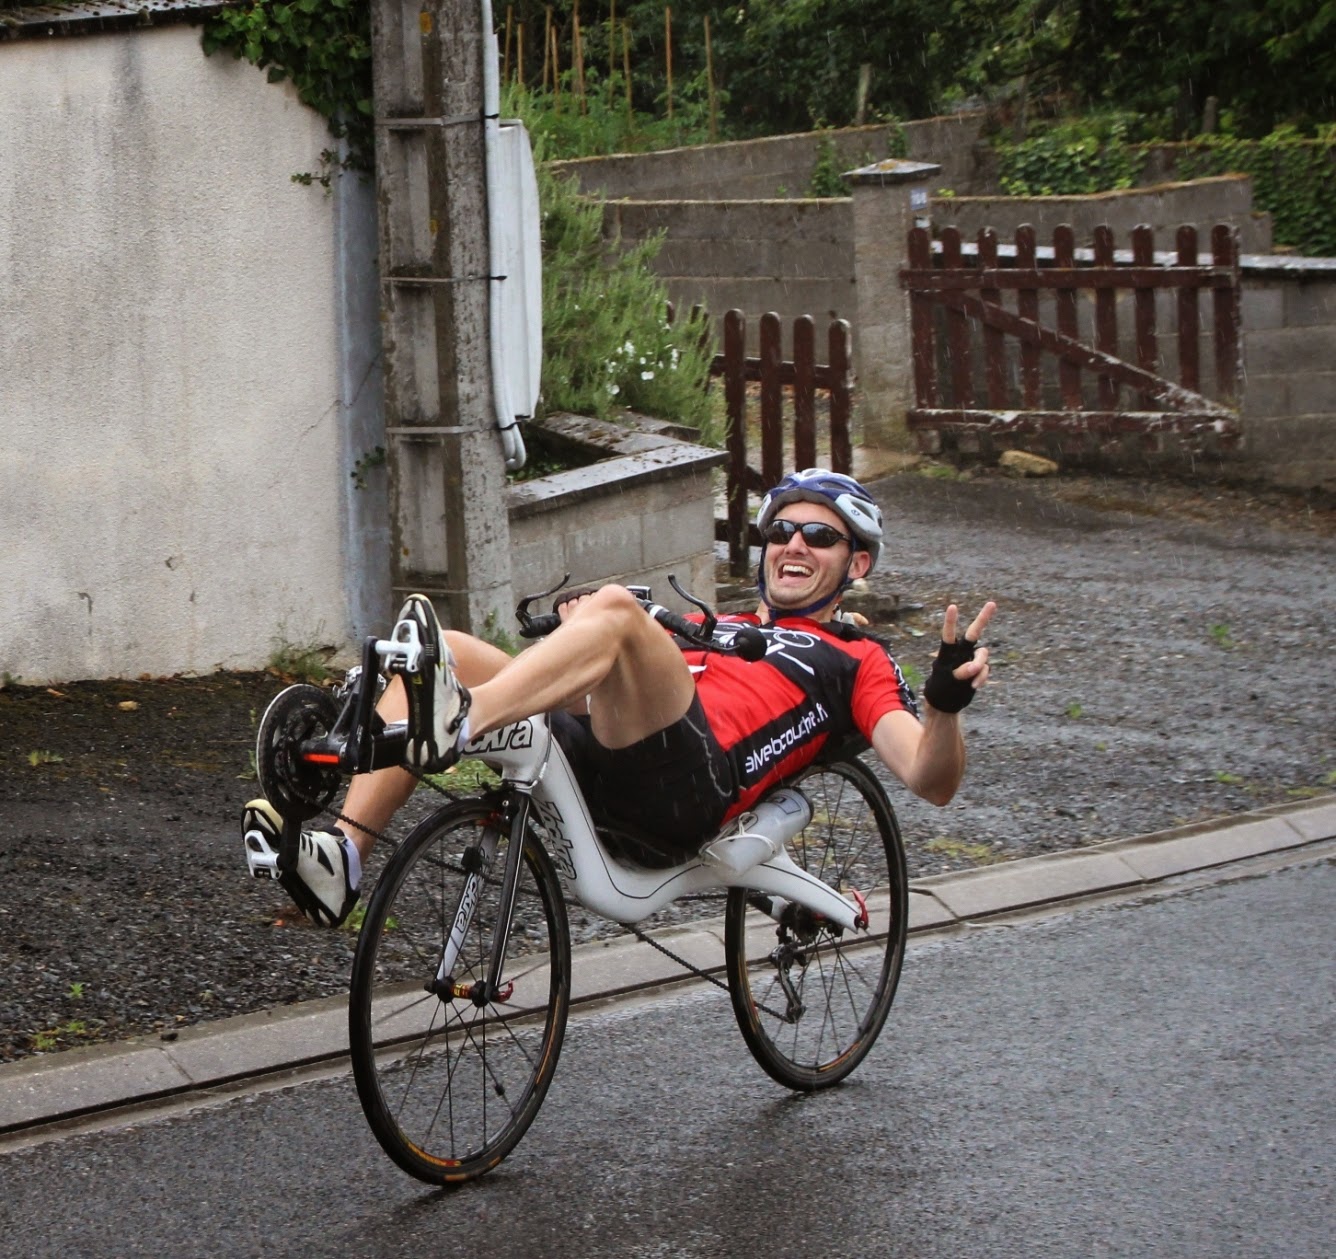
859, 565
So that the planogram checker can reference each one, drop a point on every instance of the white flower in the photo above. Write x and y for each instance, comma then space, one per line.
646, 375
614, 390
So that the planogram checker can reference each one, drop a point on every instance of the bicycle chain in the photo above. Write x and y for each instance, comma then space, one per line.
379, 836
695, 970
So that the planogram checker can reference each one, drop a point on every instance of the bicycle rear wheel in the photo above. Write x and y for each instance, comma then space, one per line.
450, 1083
809, 1000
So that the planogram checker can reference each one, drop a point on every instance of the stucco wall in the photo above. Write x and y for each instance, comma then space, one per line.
169, 334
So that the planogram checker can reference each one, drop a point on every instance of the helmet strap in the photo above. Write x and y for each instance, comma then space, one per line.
774, 613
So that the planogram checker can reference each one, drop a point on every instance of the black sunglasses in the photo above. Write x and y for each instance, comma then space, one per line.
814, 533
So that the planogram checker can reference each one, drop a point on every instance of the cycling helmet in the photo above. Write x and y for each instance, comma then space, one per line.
842, 494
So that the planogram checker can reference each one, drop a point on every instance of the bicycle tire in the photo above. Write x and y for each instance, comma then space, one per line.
448, 1086
844, 986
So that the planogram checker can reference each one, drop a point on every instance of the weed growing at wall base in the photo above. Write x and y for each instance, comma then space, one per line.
306, 661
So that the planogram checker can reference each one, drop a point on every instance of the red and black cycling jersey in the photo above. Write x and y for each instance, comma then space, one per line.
818, 682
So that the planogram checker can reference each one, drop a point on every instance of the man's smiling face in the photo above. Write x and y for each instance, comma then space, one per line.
797, 574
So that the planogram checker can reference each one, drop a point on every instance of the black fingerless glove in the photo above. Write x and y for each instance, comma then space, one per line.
948, 694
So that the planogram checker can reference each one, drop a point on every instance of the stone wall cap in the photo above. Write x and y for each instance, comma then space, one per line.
636, 453
889, 171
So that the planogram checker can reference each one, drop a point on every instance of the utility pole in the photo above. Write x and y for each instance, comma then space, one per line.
449, 524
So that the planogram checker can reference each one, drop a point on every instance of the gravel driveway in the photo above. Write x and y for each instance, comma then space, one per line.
1158, 653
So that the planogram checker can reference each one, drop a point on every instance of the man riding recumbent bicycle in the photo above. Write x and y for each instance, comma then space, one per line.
637, 767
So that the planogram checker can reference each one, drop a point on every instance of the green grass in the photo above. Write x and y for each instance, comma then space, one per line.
467, 777
959, 850
913, 675
306, 661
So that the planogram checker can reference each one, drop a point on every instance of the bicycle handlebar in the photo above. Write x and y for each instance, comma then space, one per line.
745, 641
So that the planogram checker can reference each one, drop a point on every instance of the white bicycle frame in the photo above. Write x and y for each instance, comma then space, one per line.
532, 765
530, 762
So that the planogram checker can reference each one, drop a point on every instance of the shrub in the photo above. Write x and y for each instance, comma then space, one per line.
607, 342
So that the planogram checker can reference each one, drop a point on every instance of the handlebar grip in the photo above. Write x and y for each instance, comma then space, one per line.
748, 642
677, 624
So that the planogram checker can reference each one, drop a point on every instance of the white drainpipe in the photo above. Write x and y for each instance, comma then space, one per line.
511, 439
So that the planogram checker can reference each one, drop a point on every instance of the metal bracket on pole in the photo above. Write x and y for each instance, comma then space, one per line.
448, 488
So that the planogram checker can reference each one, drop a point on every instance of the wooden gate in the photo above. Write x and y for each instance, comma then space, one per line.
804, 377
980, 372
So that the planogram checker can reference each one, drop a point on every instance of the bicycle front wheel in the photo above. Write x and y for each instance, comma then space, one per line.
809, 1000
451, 1076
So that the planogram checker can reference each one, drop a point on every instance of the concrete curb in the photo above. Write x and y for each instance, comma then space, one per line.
81, 1082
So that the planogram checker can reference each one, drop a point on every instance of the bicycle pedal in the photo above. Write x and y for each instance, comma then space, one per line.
407, 647
261, 856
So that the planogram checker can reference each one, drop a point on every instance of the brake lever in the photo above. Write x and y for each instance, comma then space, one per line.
707, 626
530, 625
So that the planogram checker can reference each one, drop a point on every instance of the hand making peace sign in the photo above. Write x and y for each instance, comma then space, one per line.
961, 665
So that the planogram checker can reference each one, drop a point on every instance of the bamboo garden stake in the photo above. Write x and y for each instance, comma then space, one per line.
547, 44
668, 51
709, 80
626, 66
579, 60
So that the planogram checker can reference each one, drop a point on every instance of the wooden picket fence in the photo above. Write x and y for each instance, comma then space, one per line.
1061, 372
803, 379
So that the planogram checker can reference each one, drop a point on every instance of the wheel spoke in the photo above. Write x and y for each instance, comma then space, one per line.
470, 1078
845, 982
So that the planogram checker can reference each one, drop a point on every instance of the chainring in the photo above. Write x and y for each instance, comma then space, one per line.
297, 789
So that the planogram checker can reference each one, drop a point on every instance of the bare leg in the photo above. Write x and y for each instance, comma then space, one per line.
607, 649
373, 799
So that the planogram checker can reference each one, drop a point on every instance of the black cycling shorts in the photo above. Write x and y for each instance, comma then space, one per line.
669, 791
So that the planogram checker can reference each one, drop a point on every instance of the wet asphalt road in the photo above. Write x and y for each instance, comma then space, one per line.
1148, 1078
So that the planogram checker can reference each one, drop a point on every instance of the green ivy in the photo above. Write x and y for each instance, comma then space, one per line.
1293, 177
1075, 157
324, 48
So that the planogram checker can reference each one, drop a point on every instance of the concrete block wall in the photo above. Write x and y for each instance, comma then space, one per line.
782, 166
1205, 202
792, 257
635, 517
1289, 396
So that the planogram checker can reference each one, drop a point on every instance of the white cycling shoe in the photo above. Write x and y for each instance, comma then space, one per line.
322, 882
438, 704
